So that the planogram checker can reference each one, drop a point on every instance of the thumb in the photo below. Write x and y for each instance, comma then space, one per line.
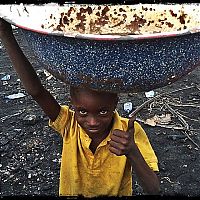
131, 124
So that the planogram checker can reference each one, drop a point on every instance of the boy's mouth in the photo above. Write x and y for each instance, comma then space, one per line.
93, 130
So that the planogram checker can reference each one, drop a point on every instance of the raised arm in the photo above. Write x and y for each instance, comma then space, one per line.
27, 73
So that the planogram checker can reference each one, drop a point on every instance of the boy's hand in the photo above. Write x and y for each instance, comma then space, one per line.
5, 28
122, 143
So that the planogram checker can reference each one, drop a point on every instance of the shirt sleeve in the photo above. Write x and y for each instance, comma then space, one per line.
62, 122
145, 147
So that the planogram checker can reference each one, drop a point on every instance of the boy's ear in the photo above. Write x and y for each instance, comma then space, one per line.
72, 99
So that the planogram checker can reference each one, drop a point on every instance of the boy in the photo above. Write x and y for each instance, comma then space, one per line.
100, 148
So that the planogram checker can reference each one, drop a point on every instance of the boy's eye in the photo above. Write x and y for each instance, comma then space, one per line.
83, 112
103, 112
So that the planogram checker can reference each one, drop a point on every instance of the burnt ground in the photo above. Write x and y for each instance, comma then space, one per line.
31, 151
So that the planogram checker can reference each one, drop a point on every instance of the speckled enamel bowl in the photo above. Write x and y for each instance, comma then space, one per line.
118, 48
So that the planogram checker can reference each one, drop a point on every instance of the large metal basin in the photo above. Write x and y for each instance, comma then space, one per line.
118, 48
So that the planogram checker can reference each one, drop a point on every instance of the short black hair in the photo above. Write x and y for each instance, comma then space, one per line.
75, 91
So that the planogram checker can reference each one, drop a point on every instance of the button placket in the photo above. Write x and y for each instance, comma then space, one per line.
97, 160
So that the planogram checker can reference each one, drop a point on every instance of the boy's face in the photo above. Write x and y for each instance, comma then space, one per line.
94, 111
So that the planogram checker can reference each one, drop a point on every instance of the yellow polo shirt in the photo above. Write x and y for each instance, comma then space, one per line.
102, 173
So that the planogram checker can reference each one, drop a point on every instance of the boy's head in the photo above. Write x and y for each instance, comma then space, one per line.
93, 109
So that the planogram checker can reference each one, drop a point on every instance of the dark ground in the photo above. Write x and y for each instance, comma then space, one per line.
30, 150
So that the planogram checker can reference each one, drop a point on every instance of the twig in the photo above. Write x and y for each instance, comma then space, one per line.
172, 127
186, 134
194, 129
186, 126
196, 120
150, 107
198, 87
144, 104
139, 108
178, 115
184, 105
184, 123
194, 100
163, 125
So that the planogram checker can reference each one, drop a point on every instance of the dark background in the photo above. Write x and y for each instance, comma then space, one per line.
31, 151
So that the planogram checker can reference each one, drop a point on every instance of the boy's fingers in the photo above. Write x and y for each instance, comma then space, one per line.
116, 148
119, 140
118, 133
115, 151
115, 145
115, 138
131, 124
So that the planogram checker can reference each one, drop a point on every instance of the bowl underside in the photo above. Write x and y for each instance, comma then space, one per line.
117, 66
117, 48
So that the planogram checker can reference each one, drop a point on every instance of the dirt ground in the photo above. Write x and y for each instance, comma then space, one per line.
30, 150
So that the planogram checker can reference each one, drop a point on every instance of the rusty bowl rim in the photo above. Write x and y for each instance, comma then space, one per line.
110, 36
107, 36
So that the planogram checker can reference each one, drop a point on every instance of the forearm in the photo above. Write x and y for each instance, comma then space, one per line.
147, 178
21, 64
27, 73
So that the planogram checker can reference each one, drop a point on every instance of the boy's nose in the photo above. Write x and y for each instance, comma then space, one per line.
92, 121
